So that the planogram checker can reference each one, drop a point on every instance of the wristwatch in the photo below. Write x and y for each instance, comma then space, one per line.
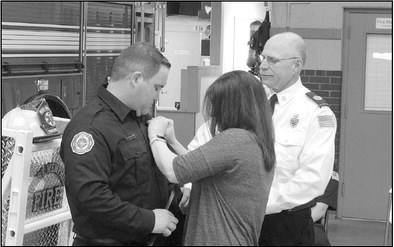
157, 138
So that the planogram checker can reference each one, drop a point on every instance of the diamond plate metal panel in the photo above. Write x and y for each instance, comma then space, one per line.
46, 188
5, 206
54, 235
7, 150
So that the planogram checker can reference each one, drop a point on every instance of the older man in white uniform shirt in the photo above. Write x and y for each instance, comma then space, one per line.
304, 143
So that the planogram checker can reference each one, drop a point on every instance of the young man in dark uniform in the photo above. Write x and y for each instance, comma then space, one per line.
115, 191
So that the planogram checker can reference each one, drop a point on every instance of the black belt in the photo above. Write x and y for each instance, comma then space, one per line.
301, 207
105, 242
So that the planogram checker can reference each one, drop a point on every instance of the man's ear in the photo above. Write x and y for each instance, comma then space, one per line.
298, 64
136, 78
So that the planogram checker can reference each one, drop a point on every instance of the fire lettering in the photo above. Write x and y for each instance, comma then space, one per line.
47, 198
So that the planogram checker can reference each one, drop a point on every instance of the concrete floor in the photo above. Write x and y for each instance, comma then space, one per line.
349, 232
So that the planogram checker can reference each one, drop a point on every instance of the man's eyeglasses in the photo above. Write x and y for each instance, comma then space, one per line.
273, 61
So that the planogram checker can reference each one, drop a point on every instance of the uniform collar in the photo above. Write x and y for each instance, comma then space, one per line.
289, 93
120, 109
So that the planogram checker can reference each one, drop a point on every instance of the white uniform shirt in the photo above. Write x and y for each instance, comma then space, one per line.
203, 135
304, 147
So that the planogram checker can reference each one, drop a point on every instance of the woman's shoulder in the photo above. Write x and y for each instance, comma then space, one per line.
236, 132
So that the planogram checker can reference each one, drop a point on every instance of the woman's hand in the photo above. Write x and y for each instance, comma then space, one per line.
157, 126
170, 132
184, 203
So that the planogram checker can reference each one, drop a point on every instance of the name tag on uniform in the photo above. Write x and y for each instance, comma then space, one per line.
131, 137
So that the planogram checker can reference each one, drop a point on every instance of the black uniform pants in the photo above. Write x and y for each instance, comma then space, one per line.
321, 238
288, 228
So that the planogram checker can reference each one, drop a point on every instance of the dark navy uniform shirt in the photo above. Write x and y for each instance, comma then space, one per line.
330, 196
112, 182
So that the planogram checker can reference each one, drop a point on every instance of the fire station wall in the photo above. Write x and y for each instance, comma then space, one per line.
320, 24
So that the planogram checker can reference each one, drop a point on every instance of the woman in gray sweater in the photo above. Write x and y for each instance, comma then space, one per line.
233, 172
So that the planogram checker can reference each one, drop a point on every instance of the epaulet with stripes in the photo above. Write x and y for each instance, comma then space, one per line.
318, 100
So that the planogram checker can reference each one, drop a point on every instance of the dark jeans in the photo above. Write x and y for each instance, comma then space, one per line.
288, 228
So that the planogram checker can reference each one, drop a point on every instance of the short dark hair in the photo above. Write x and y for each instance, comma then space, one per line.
141, 57
237, 99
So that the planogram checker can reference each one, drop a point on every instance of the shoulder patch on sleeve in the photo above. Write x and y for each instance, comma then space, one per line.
326, 121
318, 100
82, 143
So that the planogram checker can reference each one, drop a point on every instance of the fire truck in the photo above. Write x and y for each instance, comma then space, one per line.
55, 55
66, 49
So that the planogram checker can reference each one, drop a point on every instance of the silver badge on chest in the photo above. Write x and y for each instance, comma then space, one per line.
294, 120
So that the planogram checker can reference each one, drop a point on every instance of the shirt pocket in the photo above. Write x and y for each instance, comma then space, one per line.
137, 161
132, 150
288, 146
